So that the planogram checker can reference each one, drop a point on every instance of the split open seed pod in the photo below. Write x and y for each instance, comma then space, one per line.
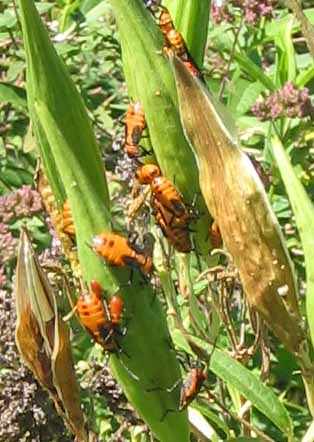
42, 338
238, 202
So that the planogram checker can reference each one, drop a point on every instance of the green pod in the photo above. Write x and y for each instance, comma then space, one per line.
150, 80
66, 139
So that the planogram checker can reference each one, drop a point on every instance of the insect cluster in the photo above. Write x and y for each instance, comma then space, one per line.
172, 214
175, 43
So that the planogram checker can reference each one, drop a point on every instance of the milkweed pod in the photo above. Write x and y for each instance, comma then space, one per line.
237, 200
42, 337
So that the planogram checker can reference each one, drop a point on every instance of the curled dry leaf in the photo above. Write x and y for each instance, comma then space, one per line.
238, 202
43, 338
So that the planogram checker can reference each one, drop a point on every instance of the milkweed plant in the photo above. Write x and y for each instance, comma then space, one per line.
156, 164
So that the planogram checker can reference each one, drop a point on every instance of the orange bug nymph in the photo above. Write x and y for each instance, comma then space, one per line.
191, 386
175, 42
67, 219
165, 22
134, 125
179, 237
175, 229
95, 317
165, 192
162, 189
119, 251
165, 217
116, 308
147, 172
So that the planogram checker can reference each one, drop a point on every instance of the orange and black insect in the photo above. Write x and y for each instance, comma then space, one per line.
178, 237
95, 317
215, 235
67, 219
191, 387
120, 251
175, 229
116, 308
165, 217
134, 125
165, 22
165, 192
147, 172
162, 189
190, 65
175, 42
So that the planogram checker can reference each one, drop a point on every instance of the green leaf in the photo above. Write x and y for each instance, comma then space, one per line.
249, 386
211, 416
244, 96
285, 66
305, 77
304, 216
69, 151
13, 94
254, 71
7, 19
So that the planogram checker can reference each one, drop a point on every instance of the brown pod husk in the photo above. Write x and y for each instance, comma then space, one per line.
42, 338
238, 202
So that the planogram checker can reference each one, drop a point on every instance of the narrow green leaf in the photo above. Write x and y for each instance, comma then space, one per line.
261, 396
304, 215
305, 77
13, 94
211, 416
285, 66
254, 71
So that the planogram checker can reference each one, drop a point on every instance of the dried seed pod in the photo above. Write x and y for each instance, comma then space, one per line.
43, 338
238, 202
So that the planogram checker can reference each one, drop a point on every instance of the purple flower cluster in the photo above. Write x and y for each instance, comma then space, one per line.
285, 102
220, 12
253, 10
22, 202
8, 245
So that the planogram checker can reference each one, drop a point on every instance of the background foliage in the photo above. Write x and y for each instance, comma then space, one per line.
264, 67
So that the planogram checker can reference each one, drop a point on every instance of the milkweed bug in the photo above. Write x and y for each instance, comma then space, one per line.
162, 189
176, 43
175, 229
95, 317
134, 125
103, 322
165, 22
147, 172
115, 309
120, 251
67, 219
191, 387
